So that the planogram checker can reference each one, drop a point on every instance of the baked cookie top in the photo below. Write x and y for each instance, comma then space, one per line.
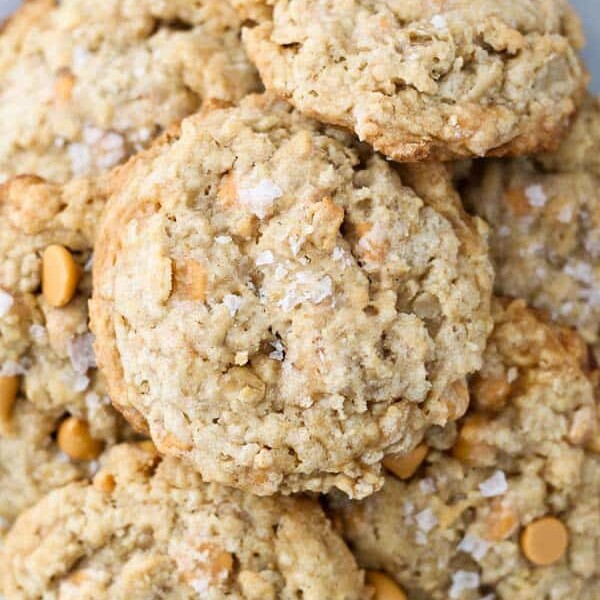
152, 529
425, 79
511, 505
544, 214
85, 84
55, 415
280, 306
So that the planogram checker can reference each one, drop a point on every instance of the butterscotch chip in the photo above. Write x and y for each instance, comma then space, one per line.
385, 587
425, 80
78, 107
9, 386
404, 466
545, 541
60, 275
366, 351
471, 446
490, 392
165, 533
74, 438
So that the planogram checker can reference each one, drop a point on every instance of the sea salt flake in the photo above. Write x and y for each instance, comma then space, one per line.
338, 253
233, 302
439, 22
280, 272
6, 303
11, 368
81, 353
582, 272
260, 198
278, 350
426, 520
475, 546
427, 485
512, 374
536, 196
496, 485
566, 214
89, 264
223, 239
81, 158
265, 258
462, 581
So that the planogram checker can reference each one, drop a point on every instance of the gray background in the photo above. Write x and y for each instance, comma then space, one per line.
589, 9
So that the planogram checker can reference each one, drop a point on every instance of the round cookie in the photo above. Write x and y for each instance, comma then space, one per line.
85, 84
544, 214
280, 306
425, 79
55, 415
510, 507
151, 529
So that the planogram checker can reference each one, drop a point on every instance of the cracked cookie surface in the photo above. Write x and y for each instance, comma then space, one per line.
425, 79
152, 529
280, 306
477, 518
55, 415
83, 85
544, 216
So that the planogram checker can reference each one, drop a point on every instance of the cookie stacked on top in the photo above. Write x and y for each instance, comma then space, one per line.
285, 311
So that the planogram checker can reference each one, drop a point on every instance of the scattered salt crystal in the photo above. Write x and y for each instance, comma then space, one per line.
11, 368
439, 22
260, 198
223, 239
92, 135
233, 302
581, 271
280, 272
427, 485
496, 485
80, 57
512, 374
536, 195
338, 253
461, 581
37, 332
6, 302
323, 289
420, 538
475, 546
504, 231
409, 508
426, 520
112, 147
81, 158
80, 383
81, 353
265, 258
566, 214
93, 467
89, 264
278, 350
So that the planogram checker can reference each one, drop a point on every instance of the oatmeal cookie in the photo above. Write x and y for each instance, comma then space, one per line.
278, 305
425, 79
55, 415
148, 528
509, 508
544, 214
85, 84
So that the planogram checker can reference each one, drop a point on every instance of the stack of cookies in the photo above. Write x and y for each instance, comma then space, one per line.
299, 300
